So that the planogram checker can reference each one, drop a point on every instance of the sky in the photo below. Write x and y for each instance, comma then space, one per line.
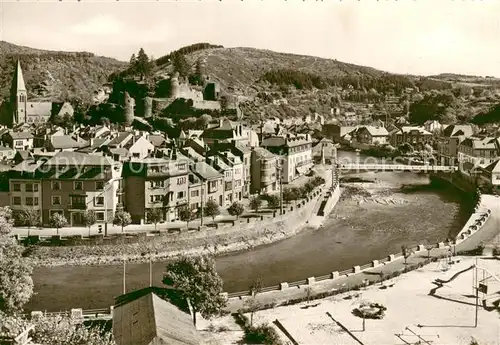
421, 37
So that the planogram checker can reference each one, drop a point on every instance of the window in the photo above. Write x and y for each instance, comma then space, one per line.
35, 201
180, 195
16, 200
156, 198
157, 184
195, 193
77, 200
135, 155
56, 200
99, 201
99, 216
182, 166
181, 180
78, 185
99, 185
194, 206
19, 143
56, 185
17, 187
155, 169
228, 173
29, 201
29, 187
35, 187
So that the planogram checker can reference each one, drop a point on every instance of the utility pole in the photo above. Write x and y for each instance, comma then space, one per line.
202, 195
124, 272
280, 176
150, 271
477, 295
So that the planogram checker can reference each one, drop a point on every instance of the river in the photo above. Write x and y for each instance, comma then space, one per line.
359, 230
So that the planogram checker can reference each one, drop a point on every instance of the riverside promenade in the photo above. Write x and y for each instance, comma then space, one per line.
489, 230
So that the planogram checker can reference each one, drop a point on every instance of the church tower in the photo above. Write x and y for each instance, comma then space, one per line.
19, 96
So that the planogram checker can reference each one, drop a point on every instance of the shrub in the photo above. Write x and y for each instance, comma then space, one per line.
262, 334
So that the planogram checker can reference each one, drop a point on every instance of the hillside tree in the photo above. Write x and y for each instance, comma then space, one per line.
180, 64
197, 280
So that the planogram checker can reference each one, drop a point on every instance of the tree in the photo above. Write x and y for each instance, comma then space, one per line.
185, 215
255, 203
180, 64
142, 65
273, 201
122, 218
406, 252
203, 121
29, 217
367, 310
16, 284
89, 218
212, 209
256, 287
290, 194
57, 220
155, 215
197, 280
252, 305
429, 248
236, 209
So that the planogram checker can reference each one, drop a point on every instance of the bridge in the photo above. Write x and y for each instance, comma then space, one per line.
396, 167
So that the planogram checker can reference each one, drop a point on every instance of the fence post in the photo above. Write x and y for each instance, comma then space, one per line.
283, 286
311, 280
335, 274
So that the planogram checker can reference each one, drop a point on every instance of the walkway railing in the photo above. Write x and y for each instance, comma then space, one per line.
397, 167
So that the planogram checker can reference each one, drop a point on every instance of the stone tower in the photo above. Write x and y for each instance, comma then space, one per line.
148, 107
128, 106
175, 88
19, 96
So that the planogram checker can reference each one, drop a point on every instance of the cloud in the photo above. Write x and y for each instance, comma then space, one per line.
99, 25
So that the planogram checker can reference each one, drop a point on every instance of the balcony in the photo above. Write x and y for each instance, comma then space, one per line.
78, 206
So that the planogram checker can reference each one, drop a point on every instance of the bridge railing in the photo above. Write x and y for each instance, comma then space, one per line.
396, 167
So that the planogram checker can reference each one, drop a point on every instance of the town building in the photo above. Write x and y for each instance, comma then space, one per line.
295, 152
447, 146
476, 152
489, 177
416, 136
156, 183
205, 183
69, 183
19, 140
371, 135
231, 167
229, 131
264, 171
142, 318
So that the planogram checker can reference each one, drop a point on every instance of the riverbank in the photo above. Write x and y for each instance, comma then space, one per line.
226, 239
369, 231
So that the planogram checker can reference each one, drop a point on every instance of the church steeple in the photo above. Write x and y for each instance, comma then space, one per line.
18, 80
19, 96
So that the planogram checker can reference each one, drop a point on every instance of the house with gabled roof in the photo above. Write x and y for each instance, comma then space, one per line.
144, 318
451, 137
19, 140
476, 152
